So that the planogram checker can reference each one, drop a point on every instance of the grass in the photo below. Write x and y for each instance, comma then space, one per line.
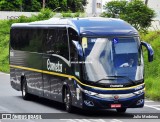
4, 46
152, 70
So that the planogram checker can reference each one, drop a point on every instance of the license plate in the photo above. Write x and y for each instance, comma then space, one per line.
115, 105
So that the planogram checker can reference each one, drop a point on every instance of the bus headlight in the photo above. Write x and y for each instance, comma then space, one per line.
89, 92
139, 92
86, 91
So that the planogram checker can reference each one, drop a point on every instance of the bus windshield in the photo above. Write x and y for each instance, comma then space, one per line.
112, 60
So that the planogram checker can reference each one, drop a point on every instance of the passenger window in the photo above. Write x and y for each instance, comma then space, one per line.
50, 45
35, 40
27, 39
57, 42
63, 43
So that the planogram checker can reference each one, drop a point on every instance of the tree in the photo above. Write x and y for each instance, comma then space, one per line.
52, 4
114, 8
10, 5
76, 5
36, 5
146, 2
67, 5
135, 12
20, 5
31, 5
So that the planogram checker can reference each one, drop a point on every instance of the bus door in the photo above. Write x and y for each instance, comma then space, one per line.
75, 66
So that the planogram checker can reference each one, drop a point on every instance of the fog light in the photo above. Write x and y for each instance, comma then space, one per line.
139, 102
88, 103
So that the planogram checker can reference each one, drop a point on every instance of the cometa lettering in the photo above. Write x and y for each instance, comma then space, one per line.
54, 66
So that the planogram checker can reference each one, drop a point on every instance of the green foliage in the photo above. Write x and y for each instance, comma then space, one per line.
114, 8
135, 12
31, 5
72, 5
72, 15
43, 15
36, 5
53, 4
66, 14
78, 14
10, 5
152, 70
76, 5
4, 46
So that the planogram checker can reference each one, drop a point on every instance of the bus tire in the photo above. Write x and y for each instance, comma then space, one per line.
121, 110
68, 100
25, 94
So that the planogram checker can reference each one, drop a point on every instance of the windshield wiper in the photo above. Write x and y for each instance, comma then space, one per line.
105, 79
115, 77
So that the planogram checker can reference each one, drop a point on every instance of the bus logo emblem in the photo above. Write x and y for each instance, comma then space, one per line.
115, 40
116, 97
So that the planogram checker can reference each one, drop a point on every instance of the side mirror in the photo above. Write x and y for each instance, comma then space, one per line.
149, 49
78, 47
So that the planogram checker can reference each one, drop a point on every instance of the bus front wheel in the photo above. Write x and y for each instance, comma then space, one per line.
68, 100
121, 110
25, 94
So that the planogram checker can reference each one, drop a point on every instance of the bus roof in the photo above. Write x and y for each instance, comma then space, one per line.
90, 26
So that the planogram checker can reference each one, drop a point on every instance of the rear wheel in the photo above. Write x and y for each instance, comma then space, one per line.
121, 110
68, 100
25, 94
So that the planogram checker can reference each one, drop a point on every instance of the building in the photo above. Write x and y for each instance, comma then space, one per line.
93, 7
155, 5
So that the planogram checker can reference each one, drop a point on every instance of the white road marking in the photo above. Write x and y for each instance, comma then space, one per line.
149, 101
97, 120
152, 106
1, 73
155, 105
68, 120
87, 120
116, 120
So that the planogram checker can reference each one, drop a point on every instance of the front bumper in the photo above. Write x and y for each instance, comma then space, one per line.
92, 102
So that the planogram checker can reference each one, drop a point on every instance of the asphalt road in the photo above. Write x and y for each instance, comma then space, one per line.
12, 104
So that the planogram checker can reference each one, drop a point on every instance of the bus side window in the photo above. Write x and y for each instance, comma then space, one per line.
50, 43
19, 40
63, 43
57, 42
74, 61
73, 53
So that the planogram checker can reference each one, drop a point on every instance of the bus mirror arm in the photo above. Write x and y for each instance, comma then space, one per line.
149, 49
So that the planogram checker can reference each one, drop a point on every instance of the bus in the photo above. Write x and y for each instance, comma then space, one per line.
90, 63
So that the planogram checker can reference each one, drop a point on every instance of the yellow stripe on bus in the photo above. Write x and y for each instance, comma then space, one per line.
73, 77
